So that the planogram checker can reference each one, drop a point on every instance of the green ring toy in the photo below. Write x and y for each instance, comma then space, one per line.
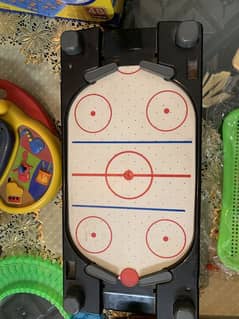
32, 275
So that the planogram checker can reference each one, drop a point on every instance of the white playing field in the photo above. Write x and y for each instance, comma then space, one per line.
131, 172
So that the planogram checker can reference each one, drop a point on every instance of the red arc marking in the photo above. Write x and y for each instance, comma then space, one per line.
129, 72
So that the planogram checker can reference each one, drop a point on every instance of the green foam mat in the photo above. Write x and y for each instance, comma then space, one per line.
228, 241
32, 275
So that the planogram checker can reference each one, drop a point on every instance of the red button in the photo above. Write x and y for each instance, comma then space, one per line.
129, 277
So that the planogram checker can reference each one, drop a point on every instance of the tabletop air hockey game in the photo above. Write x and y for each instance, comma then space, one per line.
131, 108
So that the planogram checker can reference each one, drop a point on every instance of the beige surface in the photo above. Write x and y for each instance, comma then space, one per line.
220, 298
144, 107
36, 79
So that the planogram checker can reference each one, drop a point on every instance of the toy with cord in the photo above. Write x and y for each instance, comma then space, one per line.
30, 166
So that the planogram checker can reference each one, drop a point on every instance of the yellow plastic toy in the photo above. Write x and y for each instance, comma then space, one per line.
87, 10
30, 161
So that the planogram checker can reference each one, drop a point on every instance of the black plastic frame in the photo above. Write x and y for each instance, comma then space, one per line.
90, 49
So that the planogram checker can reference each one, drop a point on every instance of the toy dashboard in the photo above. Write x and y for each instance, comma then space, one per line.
30, 163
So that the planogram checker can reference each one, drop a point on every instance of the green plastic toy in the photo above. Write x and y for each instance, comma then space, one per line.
228, 242
32, 275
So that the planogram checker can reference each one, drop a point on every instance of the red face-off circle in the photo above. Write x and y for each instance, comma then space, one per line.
93, 234
166, 238
129, 277
129, 175
93, 113
167, 110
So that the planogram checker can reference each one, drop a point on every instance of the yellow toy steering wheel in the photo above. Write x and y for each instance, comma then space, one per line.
30, 162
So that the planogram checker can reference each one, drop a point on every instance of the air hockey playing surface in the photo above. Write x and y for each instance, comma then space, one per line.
131, 173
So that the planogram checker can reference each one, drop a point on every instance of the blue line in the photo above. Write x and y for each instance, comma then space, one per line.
132, 142
133, 208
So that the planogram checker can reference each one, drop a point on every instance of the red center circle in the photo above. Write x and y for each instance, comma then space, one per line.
93, 112
93, 235
129, 175
129, 277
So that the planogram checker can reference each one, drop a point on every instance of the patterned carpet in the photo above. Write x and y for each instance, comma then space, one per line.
30, 57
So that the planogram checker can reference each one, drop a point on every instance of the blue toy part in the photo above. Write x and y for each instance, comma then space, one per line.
38, 189
36, 144
6, 145
86, 315
48, 8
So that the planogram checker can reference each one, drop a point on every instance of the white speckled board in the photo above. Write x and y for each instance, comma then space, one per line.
131, 172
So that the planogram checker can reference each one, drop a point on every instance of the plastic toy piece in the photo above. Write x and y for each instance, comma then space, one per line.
6, 145
27, 104
14, 193
31, 164
187, 34
36, 144
165, 71
71, 43
128, 150
184, 309
31, 275
24, 169
228, 241
94, 75
28, 306
51, 8
129, 277
75, 300
97, 272
159, 278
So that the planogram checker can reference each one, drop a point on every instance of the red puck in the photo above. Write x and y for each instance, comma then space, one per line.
129, 277
128, 175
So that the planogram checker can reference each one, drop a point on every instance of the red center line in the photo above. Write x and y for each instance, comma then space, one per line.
134, 175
